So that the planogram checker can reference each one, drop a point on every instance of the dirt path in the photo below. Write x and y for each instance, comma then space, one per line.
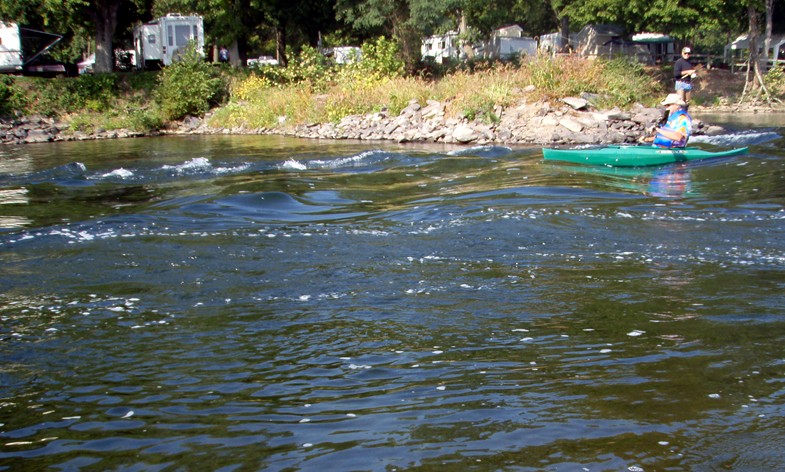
719, 90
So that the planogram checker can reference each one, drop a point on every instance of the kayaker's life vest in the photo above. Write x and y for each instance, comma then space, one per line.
662, 141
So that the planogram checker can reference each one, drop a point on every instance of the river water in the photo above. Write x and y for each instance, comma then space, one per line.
266, 303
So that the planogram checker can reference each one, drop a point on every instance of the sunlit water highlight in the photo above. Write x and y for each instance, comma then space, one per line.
263, 303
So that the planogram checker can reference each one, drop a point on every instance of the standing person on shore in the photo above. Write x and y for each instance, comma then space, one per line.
223, 55
683, 73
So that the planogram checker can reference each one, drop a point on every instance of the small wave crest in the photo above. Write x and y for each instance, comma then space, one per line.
202, 165
195, 165
293, 164
118, 173
746, 138
482, 151
363, 159
73, 173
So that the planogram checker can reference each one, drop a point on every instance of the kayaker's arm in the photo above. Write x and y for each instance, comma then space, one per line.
671, 134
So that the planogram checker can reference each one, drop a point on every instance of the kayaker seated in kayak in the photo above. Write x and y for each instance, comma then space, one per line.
678, 128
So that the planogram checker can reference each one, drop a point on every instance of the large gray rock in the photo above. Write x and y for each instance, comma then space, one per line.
576, 103
571, 124
464, 134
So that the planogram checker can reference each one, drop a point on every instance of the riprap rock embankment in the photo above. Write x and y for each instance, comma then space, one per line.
572, 121
569, 121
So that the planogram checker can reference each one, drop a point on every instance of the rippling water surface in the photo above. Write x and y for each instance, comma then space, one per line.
263, 303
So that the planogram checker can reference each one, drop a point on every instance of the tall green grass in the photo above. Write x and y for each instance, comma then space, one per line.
256, 102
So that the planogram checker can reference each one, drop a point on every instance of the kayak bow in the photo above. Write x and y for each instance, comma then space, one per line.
634, 156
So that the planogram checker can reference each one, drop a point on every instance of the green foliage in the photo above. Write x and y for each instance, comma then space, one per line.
381, 58
618, 82
61, 95
775, 82
188, 87
312, 69
322, 90
12, 99
625, 81
141, 120
706, 24
309, 66
76, 20
483, 111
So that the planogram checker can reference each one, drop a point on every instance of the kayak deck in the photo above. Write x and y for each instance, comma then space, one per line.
633, 155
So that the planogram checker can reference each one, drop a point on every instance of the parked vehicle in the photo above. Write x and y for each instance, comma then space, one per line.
261, 61
124, 61
24, 51
164, 40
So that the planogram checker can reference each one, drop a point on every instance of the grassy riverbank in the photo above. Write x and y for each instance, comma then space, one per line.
314, 91
469, 93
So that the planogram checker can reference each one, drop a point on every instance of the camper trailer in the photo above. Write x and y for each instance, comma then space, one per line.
163, 41
441, 48
23, 51
508, 43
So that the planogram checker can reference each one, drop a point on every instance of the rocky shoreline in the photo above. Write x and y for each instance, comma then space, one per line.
572, 120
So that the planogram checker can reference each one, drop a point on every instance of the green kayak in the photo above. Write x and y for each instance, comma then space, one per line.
634, 155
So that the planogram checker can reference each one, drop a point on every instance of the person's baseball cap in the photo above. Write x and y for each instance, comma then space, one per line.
673, 99
686, 51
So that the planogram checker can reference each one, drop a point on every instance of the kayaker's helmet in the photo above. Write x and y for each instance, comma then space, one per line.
673, 99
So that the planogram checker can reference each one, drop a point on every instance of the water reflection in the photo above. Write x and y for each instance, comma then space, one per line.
13, 196
670, 182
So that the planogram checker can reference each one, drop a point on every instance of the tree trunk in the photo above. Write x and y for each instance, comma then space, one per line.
242, 50
564, 34
767, 39
280, 45
754, 80
105, 23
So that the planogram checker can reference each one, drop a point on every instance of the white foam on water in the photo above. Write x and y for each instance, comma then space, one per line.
197, 163
232, 170
345, 161
293, 164
746, 138
353, 161
121, 173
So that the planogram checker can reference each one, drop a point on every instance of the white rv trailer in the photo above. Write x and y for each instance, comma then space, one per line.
21, 50
163, 41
